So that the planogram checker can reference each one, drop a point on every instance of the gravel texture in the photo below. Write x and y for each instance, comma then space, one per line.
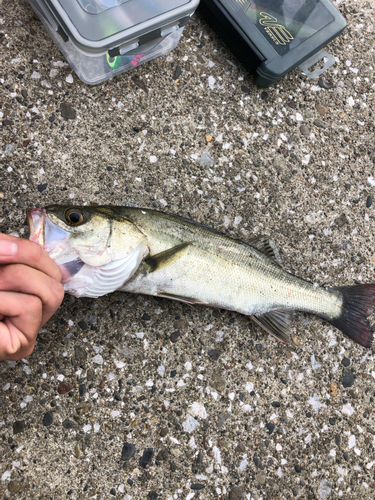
131, 397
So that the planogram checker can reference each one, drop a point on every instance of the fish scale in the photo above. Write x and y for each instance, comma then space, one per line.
249, 282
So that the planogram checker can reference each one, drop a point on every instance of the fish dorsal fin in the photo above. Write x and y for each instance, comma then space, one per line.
165, 258
277, 323
267, 246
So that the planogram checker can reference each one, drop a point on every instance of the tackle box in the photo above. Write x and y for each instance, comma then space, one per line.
271, 37
102, 38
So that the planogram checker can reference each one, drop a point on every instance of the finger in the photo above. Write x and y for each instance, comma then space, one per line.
8, 237
24, 279
22, 251
13, 343
18, 331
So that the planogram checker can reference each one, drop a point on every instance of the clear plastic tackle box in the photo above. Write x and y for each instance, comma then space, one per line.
102, 38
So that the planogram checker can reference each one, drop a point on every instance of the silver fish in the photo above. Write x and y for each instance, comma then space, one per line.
104, 248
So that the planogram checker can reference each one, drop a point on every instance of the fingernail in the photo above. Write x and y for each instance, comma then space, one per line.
7, 248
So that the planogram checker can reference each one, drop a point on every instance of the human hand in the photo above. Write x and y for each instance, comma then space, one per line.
30, 293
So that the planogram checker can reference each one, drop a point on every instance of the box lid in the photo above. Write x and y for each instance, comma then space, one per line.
285, 32
284, 24
98, 24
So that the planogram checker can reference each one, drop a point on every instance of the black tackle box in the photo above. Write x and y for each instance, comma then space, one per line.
271, 37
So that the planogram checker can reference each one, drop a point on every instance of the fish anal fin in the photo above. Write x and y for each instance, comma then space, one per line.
276, 322
267, 246
185, 300
165, 258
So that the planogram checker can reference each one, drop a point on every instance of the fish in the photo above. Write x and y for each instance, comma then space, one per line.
103, 249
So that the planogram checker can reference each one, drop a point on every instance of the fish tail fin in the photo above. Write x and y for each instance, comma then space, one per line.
358, 303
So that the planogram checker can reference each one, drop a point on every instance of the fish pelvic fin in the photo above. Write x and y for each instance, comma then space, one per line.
266, 246
165, 258
358, 303
186, 300
277, 323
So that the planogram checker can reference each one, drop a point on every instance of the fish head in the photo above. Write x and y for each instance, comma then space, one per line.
96, 248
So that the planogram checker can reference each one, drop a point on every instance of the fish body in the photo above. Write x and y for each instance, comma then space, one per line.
219, 271
103, 249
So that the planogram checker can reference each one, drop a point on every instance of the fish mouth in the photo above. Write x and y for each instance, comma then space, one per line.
43, 232
36, 218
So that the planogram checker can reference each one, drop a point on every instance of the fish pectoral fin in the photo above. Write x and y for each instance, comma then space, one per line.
165, 258
266, 246
277, 323
185, 300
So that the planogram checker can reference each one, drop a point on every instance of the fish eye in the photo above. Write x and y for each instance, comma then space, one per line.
74, 217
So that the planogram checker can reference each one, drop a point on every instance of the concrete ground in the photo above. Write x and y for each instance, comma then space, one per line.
109, 405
